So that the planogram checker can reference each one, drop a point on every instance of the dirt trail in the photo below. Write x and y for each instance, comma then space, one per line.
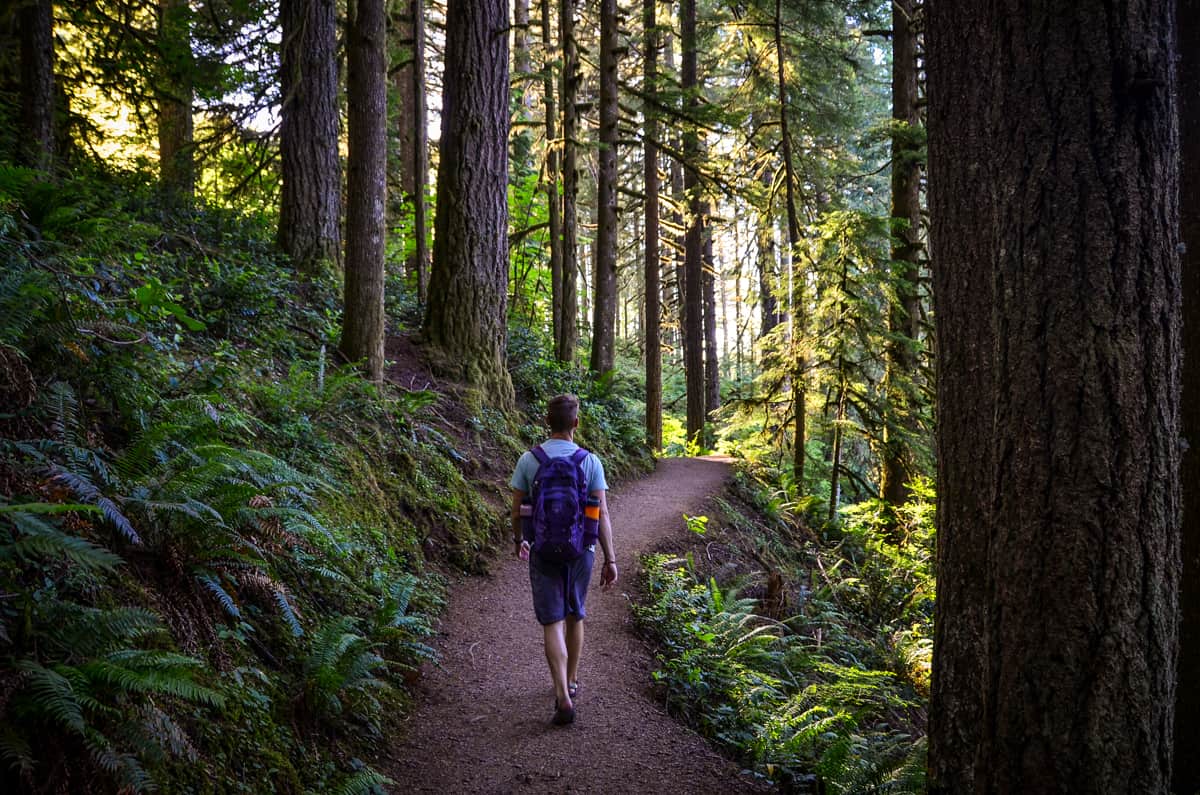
483, 723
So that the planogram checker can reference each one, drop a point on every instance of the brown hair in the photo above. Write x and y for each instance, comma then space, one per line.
561, 413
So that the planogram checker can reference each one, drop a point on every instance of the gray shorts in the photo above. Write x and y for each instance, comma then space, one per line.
559, 589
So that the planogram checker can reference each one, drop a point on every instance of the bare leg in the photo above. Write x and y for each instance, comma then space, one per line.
556, 658
574, 647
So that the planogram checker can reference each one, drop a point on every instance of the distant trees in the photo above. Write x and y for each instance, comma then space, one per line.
310, 199
412, 137
1058, 308
466, 317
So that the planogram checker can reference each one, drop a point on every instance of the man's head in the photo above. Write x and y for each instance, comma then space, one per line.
562, 413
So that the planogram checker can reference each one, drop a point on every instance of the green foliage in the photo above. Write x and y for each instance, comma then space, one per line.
832, 695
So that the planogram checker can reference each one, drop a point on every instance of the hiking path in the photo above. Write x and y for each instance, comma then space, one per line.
482, 720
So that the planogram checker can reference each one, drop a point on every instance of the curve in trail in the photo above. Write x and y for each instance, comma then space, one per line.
482, 722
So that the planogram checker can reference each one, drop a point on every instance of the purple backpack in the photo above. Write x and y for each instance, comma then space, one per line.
558, 496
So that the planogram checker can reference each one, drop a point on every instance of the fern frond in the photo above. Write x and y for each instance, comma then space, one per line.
40, 541
365, 782
53, 696
86, 490
214, 587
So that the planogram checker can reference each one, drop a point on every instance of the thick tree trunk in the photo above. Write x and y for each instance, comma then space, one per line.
36, 24
553, 198
310, 199
1187, 697
693, 329
568, 90
174, 100
366, 184
467, 318
799, 315
1058, 440
412, 138
653, 264
605, 307
903, 313
712, 364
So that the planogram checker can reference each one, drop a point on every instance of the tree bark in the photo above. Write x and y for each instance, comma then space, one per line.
366, 185
1187, 697
568, 90
553, 182
653, 265
310, 200
36, 24
1053, 174
904, 312
694, 239
520, 163
712, 363
799, 315
768, 305
605, 306
174, 100
466, 321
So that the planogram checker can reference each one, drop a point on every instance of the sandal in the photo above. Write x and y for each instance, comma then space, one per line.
572, 689
562, 716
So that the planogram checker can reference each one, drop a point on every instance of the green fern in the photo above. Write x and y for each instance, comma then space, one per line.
365, 782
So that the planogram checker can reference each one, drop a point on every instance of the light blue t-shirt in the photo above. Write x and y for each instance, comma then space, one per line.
527, 466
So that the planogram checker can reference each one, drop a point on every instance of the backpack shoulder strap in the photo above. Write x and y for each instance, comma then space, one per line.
580, 454
540, 455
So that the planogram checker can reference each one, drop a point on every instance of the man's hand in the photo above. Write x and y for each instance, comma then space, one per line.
521, 549
609, 575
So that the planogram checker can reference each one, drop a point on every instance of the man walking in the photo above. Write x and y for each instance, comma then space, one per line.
560, 564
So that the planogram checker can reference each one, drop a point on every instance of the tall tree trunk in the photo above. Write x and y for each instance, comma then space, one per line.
653, 264
553, 199
1187, 697
904, 312
467, 318
1058, 439
679, 199
568, 90
835, 470
799, 315
768, 305
712, 364
174, 100
520, 163
413, 139
36, 23
366, 184
310, 200
605, 308
694, 240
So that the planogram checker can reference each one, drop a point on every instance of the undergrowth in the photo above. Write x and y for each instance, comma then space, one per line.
817, 678
219, 546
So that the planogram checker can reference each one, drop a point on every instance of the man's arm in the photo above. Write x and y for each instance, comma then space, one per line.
517, 496
608, 575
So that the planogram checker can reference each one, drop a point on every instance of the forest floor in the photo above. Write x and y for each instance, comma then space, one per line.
482, 718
